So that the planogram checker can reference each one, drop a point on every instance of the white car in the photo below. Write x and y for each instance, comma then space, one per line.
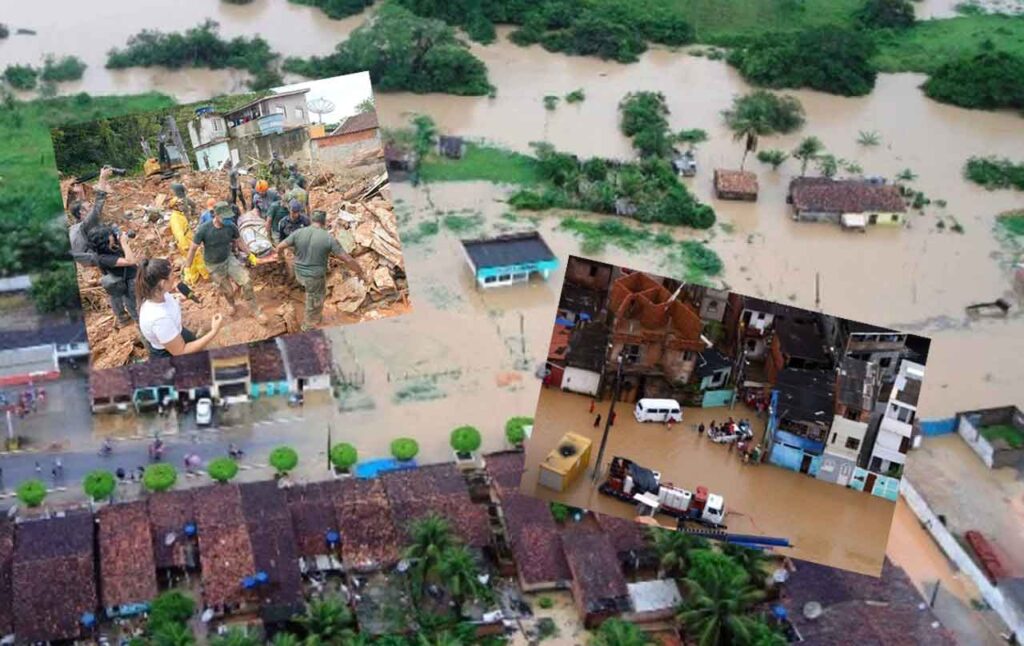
204, 412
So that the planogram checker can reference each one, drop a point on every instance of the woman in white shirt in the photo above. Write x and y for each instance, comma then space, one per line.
160, 313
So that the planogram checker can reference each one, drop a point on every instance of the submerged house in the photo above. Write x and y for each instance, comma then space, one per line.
450, 146
851, 203
307, 360
232, 379
735, 185
800, 417
585, 358
508, 259
856, 390
713, 369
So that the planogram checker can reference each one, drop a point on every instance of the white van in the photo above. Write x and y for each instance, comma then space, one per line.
658, 410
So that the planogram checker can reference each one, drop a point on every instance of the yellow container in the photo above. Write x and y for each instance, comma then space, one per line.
566, 462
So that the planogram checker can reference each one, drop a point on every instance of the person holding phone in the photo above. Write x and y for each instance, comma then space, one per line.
160, 313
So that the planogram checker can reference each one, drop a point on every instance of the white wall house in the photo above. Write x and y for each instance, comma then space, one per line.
579, 380
896, 428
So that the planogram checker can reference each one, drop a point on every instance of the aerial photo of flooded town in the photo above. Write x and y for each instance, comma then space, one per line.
675, 400
361, 484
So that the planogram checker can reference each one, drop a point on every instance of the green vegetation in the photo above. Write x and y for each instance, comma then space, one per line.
460, 224
344, 456
336, 9
885, 14
199, 46
235, 636
404, 448
168, 619
762, 113
66, 68
56, 289
546, 603
403, 52
284, 459
21, 77
99, 484
559, 512
718, 600
644, 120
466, 439
831, 59
1012, 222
481, 162
807, 151
618, 632
692, 136
1012, 435
423, 230
551, 102
514, 431
327, 620
990, 80
576, 96
31, 493
993, 173
930, 44
772, 157
222, 469
869, 138
159, 477
694, 261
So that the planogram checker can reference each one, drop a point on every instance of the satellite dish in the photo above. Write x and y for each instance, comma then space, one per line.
403, 565
169, 538
321, 106
812, 610
207, 615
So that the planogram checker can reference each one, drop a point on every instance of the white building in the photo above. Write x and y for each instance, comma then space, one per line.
842, 448
896, 428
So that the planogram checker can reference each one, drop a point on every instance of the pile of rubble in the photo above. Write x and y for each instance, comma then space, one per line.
359, 214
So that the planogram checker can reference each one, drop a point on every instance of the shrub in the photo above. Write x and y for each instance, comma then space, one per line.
550, 102
514, 432
222, 469
284, 459
404, 448
644, 119
992, 172
546, 603
402, 52
32, 492
171, 606
885, 14
67, 68
829, 59
159, 477
774, 157
576, 96
344, 456
989, 81
466, 439
334, 9
21, 77
559, 512
56, 289
764, 113
99, 484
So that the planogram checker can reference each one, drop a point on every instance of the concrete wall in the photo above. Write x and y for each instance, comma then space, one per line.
1012, 615
582, 381
212, 157
341, 148
836, 469
292, 145
816, 216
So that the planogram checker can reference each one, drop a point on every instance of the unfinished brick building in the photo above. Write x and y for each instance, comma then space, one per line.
657, 334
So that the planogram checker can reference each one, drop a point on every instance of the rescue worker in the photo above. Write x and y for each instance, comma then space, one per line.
275, 213
207, 215
298, 193
296, 178
259, 196
218, 240
313, 246
289, 225
188, 206
277, 172
233, 185
86, 216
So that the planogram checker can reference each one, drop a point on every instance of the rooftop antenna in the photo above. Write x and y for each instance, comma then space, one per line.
321, 106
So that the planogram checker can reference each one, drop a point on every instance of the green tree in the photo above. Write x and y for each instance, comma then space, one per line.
344, 456
806, 151
618, 632
328, 619
32, 492
457, 569
222, 469
828, 165
172, 633
762, 634
762, 113
990, 80
285, 639
99, 484
644, 120
514, 431
171, 606
404, 448
885, 14
753, 562
284, 459
66, 68
159, 477
425, 135
337, 9
692, 137
235, 636
673, 550
21, 77
431, 537
559, 512
366, 105
466, 439
56, 289
773, 157
717, 601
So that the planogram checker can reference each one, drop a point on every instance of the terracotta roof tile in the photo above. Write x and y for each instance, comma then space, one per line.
192, 371
309, 354
227, 558
127, 568
169, 512
533, 537
506, 469
113, 382
735, 181
845, 196
597, 575
357, 123
266, 362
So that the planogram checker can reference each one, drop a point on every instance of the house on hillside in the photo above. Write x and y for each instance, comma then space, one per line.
735, 185
110, 390
307, 360
208, 133
359, 133
54, 579
278, 123
127, 566
851, 203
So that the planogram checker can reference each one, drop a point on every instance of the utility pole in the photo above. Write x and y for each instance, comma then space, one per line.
608, 421
817, 291
329, 447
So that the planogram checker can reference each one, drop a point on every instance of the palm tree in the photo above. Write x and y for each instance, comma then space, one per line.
173, 633
431, 538
617, 632
459, 572
752, 561
443, 638
718, 597
673, 549
807, 150
285, 639
235, 637
762, 113
327, 618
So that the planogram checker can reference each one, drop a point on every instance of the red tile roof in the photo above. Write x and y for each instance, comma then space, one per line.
559, 343
227, 558
597, 575
192, 371
505, 469
309, 354
154, 372
357, 123
127, 567
735, 181
820, 194
6, 565
113, 382
266, 362
533, 537
169, 512
438, 489
626, 535
313, 515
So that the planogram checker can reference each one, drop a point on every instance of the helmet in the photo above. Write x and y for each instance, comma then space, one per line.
262, 186
212, 202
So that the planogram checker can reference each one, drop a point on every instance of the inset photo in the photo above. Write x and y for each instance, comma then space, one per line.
725, 415
232, 220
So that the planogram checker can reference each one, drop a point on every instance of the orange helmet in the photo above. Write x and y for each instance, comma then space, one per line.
212, 202
262, 186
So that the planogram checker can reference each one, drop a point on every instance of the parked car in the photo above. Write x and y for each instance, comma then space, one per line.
658, 410
204, 412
